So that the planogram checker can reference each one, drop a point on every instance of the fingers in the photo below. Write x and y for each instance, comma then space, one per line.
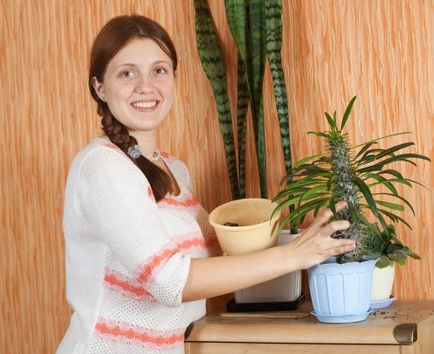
341, 205
325, 216
343, 246
338, 225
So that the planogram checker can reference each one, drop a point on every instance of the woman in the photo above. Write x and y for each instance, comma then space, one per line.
137, 241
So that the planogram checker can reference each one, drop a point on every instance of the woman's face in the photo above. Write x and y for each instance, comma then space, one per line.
138, 85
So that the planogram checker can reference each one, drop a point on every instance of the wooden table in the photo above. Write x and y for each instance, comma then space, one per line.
405, 327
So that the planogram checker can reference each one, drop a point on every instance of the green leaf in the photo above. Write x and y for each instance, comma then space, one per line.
380, 138
247, 25
331, 122
242, 108
212, 61
367, 195
383, 262
399, 257
381, 180
376, 167
404, 158
410, 253
405, 181
400, 198
392, 172
307, 159
300, 213
273, 24
347, 112
320, 134
394, 217
365, 148
390, 205
393, 149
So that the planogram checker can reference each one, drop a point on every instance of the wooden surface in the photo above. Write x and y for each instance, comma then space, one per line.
300, 326
298, 330
253, 348
333, 49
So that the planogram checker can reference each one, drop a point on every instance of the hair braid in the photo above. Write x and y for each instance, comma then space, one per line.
118, 134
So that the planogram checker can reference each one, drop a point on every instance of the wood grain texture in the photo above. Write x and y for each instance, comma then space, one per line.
333, 49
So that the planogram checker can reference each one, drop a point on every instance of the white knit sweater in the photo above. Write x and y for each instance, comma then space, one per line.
128, 257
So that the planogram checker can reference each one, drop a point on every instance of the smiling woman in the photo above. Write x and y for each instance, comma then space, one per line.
137, 241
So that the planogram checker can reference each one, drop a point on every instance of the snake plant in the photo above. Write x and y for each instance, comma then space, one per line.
256, 26
210, 53
352, 174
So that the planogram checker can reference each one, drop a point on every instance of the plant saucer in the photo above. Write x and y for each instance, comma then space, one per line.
342, 318
382, 303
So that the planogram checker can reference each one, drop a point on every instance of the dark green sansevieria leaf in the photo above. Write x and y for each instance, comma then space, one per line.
273, 23
247, 25
212, 61
242, 107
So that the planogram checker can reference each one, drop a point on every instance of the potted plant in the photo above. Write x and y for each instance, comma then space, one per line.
256, 27
389, 250
341, 289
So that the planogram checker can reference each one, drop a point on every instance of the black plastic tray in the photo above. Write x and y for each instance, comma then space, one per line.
232, 306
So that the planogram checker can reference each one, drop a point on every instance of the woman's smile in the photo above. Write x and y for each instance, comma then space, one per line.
145, 106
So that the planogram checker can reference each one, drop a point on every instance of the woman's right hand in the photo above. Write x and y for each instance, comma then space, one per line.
315, 245
210, 277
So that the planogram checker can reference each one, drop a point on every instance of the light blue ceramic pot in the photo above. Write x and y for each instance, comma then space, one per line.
341, 293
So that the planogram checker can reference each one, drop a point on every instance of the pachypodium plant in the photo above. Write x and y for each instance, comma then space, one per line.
351, 174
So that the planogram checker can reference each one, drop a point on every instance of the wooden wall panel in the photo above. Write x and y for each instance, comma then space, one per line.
333, 49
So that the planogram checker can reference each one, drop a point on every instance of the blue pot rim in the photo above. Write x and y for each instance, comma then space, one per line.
344, 267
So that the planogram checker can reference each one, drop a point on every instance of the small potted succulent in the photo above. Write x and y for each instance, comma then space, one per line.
362, 176
389, 250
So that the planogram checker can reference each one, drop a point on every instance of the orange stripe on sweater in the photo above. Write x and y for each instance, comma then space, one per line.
190, 202
167, 253
112, 280
155, 262
143, 337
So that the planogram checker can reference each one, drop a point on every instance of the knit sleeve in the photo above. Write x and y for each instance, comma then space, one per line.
114, 200
209, 235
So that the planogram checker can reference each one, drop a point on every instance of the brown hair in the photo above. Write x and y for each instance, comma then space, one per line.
117, 33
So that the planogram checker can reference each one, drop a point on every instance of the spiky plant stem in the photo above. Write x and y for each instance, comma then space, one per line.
345, 189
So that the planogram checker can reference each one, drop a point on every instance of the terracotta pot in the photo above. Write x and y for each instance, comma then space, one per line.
255, 231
